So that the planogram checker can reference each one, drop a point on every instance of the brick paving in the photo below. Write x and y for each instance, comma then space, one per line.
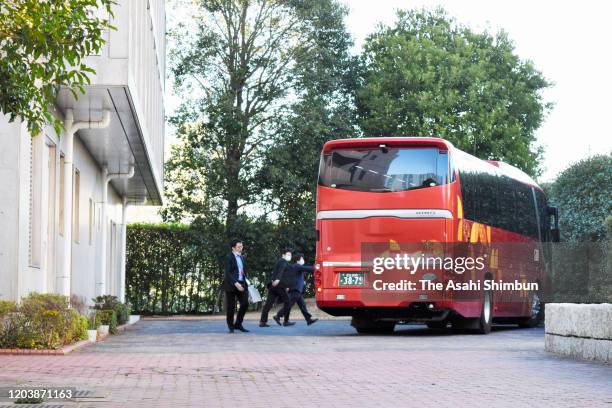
161, 363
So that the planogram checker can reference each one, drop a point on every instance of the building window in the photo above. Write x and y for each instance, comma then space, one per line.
62, 194
76, 202
92, 215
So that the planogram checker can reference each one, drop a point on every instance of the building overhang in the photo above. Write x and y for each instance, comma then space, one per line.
122, 144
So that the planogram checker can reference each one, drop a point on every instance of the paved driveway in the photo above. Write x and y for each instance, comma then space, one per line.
196, 363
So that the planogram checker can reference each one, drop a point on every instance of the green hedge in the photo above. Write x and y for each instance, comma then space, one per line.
583, 194
582, 262
41, 321
170, 269
178, 269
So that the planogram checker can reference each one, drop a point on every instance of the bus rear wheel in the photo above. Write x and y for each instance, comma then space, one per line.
369, 326
486, 314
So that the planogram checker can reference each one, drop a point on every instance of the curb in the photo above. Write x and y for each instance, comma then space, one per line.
47, 352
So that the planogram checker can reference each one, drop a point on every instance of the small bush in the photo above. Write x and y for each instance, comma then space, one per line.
93, 321
42, 321
79, 326
109, 302
108, 317
7, 306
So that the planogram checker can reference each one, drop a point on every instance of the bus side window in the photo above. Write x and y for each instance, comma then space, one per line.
526, 214
468, 192
507, 205
487, 199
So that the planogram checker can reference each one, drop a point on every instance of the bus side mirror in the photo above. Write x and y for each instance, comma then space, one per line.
554, 231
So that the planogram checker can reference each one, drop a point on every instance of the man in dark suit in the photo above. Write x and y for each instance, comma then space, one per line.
235, 286
296, 284
277, 289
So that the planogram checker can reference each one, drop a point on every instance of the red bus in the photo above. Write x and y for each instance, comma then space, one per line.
423, 189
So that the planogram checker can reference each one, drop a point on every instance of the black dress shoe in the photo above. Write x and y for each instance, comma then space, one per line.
277, 320
263, 324
230, 330
311, 321
288, 324
242, 329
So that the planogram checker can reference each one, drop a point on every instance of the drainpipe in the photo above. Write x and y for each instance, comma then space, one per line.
106, 178
121, 293
70, 128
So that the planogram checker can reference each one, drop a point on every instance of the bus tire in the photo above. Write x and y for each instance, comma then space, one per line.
537, 312
368, 326
486, 314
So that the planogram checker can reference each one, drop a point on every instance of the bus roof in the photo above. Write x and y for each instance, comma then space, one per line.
388, 141
503, 168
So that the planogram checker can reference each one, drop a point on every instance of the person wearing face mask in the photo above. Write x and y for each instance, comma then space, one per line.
296, 284
277, 289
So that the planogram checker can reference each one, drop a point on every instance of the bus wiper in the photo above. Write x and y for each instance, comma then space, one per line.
381, 190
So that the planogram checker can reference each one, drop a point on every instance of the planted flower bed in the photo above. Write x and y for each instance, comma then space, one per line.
47, 324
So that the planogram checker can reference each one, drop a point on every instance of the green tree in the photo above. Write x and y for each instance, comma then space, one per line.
322, 110
429, 75
239, 75
583, 194
42, 46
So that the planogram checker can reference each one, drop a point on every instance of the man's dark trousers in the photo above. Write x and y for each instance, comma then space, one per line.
295, 296
230, 305
274, 293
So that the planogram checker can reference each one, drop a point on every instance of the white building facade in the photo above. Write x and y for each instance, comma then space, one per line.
63, 198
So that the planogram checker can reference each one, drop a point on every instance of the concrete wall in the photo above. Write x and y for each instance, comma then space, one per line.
579, 330
10, 135
85, 253
31, 241
135, 56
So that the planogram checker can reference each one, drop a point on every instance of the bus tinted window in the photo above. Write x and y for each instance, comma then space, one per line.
494, 199
526, 212
500, 202
384, 170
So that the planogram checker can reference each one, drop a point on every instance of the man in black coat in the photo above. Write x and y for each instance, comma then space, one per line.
277, 289
296, 284
235, 286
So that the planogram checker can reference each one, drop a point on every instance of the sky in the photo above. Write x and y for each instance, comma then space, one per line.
569, 42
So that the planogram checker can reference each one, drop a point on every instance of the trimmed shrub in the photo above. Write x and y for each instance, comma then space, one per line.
8, 329
42, 321
93, 321
7, 306
109, 302
47, 321
79, 326
108, 317
582, 193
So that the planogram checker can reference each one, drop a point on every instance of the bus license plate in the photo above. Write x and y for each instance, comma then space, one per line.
351, 279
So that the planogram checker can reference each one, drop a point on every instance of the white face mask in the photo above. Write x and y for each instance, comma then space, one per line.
301, 261
287, 257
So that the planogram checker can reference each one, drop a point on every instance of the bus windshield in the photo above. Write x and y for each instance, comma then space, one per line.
384, 170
